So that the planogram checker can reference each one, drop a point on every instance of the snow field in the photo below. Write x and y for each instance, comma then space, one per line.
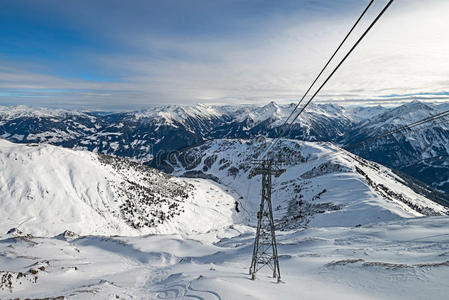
359, 232
406, 259
46, 190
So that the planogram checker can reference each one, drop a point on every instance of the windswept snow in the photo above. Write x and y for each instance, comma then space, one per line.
45, 190
406, 259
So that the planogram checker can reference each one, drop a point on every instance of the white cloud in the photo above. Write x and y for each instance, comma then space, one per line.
405, 53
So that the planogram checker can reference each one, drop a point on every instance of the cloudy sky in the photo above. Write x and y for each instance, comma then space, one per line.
121, 55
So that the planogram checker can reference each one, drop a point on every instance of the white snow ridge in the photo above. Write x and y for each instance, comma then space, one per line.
79, 225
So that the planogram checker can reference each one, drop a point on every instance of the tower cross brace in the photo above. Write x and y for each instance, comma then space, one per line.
265, 248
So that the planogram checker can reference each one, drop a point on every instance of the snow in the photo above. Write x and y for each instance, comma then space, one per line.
406, 259
360, 113
400, 116
443, 107
173, 115
408, 151
179, 114
45, 190
351, 198
278, 113
372, 240
14, 112
169, 114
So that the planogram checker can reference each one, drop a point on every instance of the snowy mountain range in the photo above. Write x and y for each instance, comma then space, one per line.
421, 152
145, 135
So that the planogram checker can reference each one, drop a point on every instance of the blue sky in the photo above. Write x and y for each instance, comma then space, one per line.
121, 55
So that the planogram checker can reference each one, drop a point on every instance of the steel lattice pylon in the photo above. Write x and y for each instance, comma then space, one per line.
265, 247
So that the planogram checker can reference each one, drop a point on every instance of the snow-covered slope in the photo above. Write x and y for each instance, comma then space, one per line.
365, 236
20, 111
179, 114
318, 188
45, 190
398, 116
404, 259
362, 113
443, 107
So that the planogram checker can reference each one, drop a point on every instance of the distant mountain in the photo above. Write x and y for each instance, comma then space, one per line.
29, 125
422, 152
319, 122
443, 107
142, 134
150, 135
359, 113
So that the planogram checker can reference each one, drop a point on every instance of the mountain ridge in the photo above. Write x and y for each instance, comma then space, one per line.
146, 135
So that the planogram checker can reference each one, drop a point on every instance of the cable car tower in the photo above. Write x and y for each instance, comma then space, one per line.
265, 248
265, 251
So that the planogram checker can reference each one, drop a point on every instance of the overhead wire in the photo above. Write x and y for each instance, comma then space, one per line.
330, 76
327, 64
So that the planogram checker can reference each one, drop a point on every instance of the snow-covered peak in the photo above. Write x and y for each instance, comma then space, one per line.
262, 113
21, 111
179, 113
412, 107
443, 107
278, 113
361, 113
272, 105
401, 115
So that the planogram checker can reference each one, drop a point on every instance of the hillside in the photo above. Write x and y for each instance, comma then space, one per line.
46, 190
322, 185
